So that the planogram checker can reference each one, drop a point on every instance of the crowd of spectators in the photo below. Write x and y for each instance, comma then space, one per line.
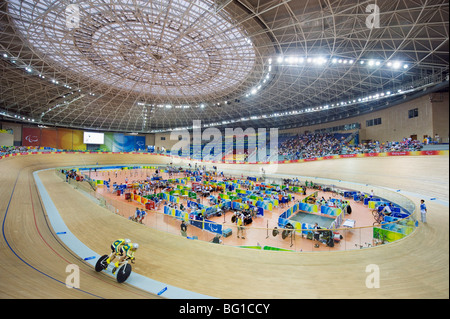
314, 145
405, 145
311, 145
327, 144
6, 150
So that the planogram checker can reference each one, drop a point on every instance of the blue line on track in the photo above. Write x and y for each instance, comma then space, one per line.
32, 267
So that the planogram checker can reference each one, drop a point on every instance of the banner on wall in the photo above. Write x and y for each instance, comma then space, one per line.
31, 136
108, 143
65, 139
77, 141
127, 143
118, 143
134, 143
49, 138
68, 139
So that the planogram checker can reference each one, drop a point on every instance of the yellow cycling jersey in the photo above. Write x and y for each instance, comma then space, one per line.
116, 244
128, 249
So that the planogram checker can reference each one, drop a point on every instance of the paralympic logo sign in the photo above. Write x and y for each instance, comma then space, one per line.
32, 139
212, 227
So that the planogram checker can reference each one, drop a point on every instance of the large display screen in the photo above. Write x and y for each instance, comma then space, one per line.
93, 138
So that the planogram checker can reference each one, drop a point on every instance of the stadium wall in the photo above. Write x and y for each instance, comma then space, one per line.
432, 118
6, 139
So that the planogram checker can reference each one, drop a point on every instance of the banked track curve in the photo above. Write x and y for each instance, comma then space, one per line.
34, 259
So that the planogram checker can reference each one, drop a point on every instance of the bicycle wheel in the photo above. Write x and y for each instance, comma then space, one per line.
123, 273
101, 263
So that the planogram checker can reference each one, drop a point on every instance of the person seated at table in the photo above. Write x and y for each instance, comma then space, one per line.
330, 203
182, 208
386, 209
322, 201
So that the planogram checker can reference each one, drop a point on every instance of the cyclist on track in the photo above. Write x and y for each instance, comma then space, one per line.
140, 219
128, 253
116, 249
137, 215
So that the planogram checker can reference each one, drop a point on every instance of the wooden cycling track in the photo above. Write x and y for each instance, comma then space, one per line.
33, 258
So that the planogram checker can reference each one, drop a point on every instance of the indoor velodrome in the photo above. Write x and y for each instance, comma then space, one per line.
254, 150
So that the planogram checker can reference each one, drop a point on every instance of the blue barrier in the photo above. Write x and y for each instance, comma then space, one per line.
213, 227
349, 194
282, 222
332, 211
367, 199
196, 221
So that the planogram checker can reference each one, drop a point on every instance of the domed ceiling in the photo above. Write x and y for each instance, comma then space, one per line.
150, 66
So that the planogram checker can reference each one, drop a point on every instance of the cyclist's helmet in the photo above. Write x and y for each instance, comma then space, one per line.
135, 246
127, 241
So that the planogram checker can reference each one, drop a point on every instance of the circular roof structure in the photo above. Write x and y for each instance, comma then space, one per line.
150, 66
169, 49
